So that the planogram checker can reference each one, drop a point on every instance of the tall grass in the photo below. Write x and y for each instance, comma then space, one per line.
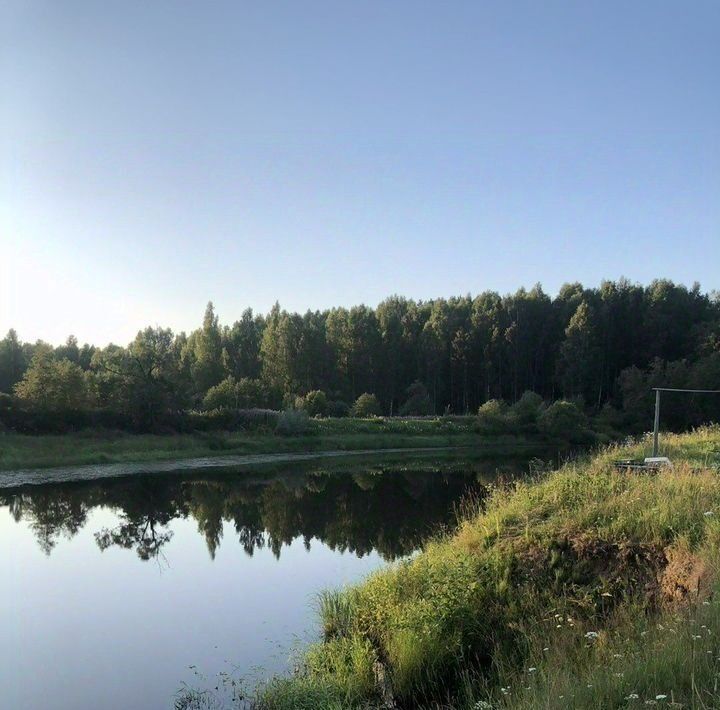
670, 659
539, 595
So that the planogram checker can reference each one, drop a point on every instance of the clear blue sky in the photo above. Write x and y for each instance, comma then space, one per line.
155, 155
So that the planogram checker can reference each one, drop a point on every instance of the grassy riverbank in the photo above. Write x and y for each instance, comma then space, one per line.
90, 447
587, 588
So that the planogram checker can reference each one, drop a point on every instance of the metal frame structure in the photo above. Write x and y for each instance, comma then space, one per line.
658, 390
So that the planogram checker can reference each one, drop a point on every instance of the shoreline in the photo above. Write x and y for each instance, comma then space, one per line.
94, 472
23, 452
561, 586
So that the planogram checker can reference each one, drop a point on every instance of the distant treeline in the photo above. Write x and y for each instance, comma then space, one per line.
604, 348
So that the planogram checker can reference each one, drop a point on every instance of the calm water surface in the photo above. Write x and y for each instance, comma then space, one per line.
115, 593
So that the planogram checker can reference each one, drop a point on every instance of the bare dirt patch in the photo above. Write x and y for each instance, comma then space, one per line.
686, 577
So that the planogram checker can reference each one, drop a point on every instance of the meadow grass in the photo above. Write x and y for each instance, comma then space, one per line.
587, 587
669, 659
98, 446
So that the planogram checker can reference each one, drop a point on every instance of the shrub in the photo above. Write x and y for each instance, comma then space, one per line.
528, 408
609, 420
563, 418
6, 402
229, 419
418, 402
245, 393
315, 403
222, 396
366, 405
293, 422
338, 408
493, 416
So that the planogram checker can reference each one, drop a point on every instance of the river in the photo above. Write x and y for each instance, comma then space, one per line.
116, 592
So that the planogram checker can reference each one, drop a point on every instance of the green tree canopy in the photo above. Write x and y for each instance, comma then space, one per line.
52, 385
366, 405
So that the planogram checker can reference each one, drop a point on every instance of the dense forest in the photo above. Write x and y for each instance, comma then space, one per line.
602, 347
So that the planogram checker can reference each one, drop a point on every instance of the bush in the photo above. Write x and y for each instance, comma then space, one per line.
229, 420
315, 403
223, 395
493, 416
366, 405
563, 418
528, 408
245, 393
418, 402
6, 402
338, 408
293, 422
609, 420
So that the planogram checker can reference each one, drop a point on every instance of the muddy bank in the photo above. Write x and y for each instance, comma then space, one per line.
92, 472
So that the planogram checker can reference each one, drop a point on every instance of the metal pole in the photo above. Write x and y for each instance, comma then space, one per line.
657, 423
656, 428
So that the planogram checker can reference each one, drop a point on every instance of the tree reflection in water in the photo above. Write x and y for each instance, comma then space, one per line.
386, 508
144, 511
